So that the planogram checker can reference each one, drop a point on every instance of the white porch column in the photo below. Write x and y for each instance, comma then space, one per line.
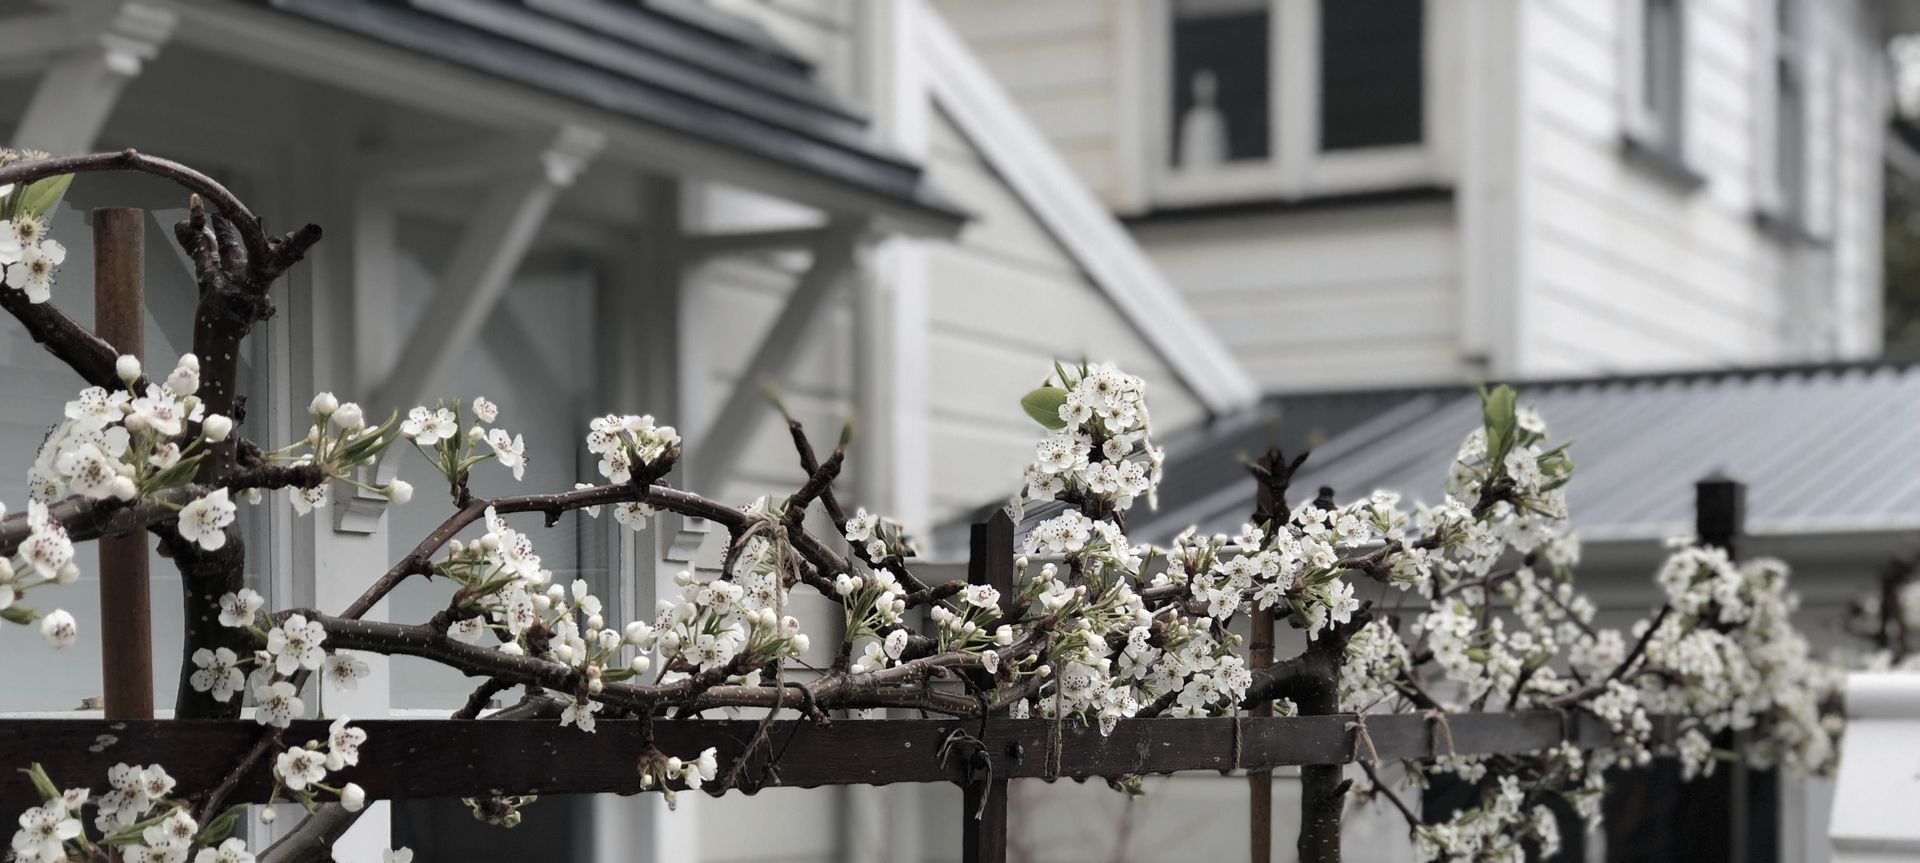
640, 345
79, 88
332, 304
890, 456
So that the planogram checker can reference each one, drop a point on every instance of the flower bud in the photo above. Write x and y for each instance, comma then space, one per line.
267, 815
58, 628
399, 491
800, 643
68, 574
124, 488
595, 685
638, 632
184, 382
353, 798
350, 418
128, 368
596, 622
323, 405
216, 427
640, 664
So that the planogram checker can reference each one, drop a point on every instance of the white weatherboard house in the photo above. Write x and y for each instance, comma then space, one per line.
902, 210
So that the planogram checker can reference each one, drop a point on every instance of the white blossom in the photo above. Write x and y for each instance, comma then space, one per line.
219, 673
204, 521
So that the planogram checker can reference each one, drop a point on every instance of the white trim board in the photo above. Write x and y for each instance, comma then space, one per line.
1078, 221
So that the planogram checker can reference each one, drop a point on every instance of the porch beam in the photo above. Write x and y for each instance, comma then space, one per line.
436, 163
703, 247
483, 263
724, 438
110, 44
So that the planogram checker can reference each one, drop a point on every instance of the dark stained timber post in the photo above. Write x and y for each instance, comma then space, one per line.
1271, 475
1720, 510
126, 606
983, 829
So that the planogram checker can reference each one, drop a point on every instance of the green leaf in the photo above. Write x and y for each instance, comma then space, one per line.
41, 782
1043, 405
222, 825
1498, 410
18, 614
39, 197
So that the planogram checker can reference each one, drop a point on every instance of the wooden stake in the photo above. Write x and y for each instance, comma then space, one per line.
984, 830
126, 608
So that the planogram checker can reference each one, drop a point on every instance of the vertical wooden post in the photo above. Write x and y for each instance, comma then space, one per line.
126, 612
1720, 510
1271, 478
983, 828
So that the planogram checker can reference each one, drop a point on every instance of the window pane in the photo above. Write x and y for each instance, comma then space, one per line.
1662, 73
1220, 82
1372, 60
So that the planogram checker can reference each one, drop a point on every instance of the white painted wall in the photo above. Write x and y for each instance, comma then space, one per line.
1343, 299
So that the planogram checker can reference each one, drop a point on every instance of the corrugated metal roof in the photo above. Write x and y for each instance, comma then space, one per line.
673, 64
1823, 449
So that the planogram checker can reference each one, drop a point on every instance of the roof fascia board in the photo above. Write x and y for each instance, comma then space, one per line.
327, 55
722, 92
1082, 225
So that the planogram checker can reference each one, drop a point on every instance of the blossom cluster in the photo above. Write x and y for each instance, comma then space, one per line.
1101, 447
436, 433
661, 771
302, 770
140, 822
127, 443
877, 538
44, 557
28, 257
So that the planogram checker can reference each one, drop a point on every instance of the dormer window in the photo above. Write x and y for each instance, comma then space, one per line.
1282, 99
1221, 83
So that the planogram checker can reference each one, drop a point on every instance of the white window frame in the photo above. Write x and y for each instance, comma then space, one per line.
1773, 193
1295, 167
1666, 135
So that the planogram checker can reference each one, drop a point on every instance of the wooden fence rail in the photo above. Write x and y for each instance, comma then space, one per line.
405, 758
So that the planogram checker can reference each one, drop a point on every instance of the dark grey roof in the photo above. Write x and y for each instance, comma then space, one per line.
1824, 449
675, 64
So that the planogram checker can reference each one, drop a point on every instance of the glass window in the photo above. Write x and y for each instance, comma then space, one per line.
1662, 68
1371, 58
1789, 112
1221, 82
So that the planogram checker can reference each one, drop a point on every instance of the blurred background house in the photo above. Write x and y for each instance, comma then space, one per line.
1305, 222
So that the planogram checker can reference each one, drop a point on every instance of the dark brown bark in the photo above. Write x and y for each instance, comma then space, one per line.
204, 577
